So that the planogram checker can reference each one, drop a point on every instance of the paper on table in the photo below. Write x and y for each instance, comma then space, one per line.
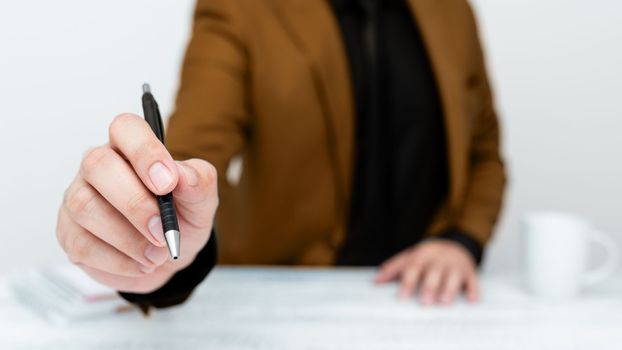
64, 294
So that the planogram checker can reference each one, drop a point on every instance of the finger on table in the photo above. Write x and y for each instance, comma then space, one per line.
472, 289
409, 280
452, 282
430, 284
392, 268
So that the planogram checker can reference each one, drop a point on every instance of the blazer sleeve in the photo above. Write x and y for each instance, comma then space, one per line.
210, 120
486, 172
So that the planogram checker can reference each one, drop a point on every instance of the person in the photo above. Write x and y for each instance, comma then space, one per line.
367, 136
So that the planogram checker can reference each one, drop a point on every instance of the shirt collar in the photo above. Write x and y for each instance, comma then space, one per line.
343, 4
347, 4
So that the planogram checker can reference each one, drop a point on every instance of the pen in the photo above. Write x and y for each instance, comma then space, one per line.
167, 207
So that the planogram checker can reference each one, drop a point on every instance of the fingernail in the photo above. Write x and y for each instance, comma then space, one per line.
155, 229
145, 269
156, 255
160, 176
192, 178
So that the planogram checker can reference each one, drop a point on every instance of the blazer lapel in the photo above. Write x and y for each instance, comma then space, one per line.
314, 29
433, 26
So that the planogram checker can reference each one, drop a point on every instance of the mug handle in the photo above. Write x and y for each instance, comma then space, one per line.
610, 265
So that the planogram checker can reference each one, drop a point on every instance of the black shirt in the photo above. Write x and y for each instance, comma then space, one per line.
400, 170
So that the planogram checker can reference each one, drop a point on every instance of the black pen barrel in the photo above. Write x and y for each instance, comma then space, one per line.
152, 115
168, 214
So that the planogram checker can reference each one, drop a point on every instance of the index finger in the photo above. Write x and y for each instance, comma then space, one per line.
131, 136
390, 269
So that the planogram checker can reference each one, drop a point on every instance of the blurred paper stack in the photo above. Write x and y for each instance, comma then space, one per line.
65, 294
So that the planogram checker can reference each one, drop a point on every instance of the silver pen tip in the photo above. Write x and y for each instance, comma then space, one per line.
172, 242
146, 88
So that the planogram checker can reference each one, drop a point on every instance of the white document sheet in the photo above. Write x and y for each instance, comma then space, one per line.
64, 294
277, 309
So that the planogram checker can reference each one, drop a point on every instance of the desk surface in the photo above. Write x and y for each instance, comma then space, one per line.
332, 309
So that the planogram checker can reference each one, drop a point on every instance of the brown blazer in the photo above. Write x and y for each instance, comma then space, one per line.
268, 80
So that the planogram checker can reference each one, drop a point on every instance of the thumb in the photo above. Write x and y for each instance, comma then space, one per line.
392, 268
196, 194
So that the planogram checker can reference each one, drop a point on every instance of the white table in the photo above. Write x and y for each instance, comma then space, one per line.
332, 309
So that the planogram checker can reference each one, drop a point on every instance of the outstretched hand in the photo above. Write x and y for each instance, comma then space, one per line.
109, 222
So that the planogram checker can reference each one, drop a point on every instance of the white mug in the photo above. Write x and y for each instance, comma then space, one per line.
556, 253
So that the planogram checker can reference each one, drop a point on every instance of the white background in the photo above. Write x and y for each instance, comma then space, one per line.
67, 67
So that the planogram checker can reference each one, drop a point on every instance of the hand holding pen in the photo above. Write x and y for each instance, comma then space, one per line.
109, 223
